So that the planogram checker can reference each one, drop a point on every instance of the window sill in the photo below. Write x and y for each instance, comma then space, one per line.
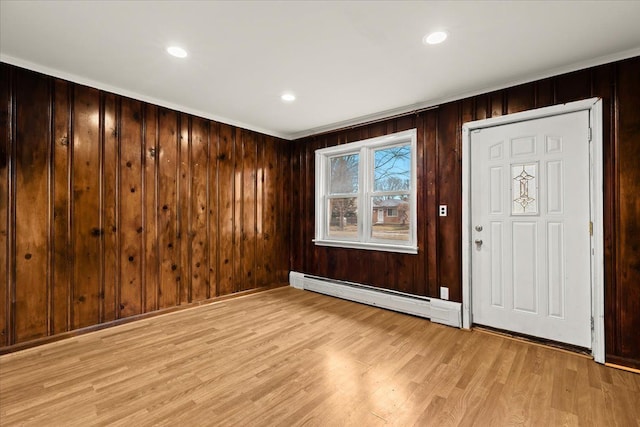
368, 246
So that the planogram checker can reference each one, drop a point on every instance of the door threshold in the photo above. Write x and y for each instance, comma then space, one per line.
555, 345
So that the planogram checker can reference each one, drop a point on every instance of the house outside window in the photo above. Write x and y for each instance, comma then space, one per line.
366, 194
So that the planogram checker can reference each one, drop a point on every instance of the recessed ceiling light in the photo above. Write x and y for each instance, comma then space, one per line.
288, 97
435, 37
176, 51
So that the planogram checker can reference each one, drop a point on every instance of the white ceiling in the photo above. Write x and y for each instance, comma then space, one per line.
347, 62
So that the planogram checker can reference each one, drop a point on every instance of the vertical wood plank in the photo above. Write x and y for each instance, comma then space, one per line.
498, 107
150, 208
168, 244
184, 210
110, 207
60, 248
432, 196
238, 213
249, 188
214, 209
101, 202
544, 93
6, 127
199, 209
86, 208
131, 208
520, 98
226, 204
573, 86
263, 200
627, 307
296, 208
31, 201
284, 203
482, 108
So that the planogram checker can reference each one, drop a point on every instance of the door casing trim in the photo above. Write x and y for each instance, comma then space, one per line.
596, 190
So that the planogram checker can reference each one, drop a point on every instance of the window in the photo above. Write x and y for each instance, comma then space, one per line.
366, 194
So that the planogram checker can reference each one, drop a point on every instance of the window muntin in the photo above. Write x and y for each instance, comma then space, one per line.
366, 194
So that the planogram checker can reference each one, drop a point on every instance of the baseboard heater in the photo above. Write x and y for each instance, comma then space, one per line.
437, 310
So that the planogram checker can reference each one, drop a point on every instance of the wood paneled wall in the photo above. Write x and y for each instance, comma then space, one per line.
111, 208
438, 262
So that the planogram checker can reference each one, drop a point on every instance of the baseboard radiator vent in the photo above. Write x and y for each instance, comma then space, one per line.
437, 310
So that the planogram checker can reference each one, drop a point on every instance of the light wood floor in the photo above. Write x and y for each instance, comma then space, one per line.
290, 357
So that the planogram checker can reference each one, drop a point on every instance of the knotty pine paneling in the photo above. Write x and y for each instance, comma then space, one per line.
259, 195
111, 208
439, 161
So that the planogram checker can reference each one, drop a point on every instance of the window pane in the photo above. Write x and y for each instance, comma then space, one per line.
344, 174
392, 169
390, 218
343, 221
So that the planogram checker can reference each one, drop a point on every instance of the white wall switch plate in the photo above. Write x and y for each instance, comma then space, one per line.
443, 210
444, 293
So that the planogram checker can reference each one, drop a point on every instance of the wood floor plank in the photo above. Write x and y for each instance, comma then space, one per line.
294, 358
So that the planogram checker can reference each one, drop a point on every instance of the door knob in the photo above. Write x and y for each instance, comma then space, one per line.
478, 242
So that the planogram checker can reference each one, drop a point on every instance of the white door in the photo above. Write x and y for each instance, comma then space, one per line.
530, 216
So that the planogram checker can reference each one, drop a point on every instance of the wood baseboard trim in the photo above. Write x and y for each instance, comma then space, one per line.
623, 368
125, 321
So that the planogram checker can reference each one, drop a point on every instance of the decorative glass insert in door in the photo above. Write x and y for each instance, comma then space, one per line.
524, 189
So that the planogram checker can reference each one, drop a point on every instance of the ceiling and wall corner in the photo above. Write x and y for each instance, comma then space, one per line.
346, 62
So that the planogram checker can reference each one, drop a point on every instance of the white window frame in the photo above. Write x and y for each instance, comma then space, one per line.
365, 149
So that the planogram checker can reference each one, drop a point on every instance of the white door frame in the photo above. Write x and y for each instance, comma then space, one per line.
596, 189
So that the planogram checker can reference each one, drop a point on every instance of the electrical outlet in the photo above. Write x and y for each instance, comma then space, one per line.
444, 293
443, 210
